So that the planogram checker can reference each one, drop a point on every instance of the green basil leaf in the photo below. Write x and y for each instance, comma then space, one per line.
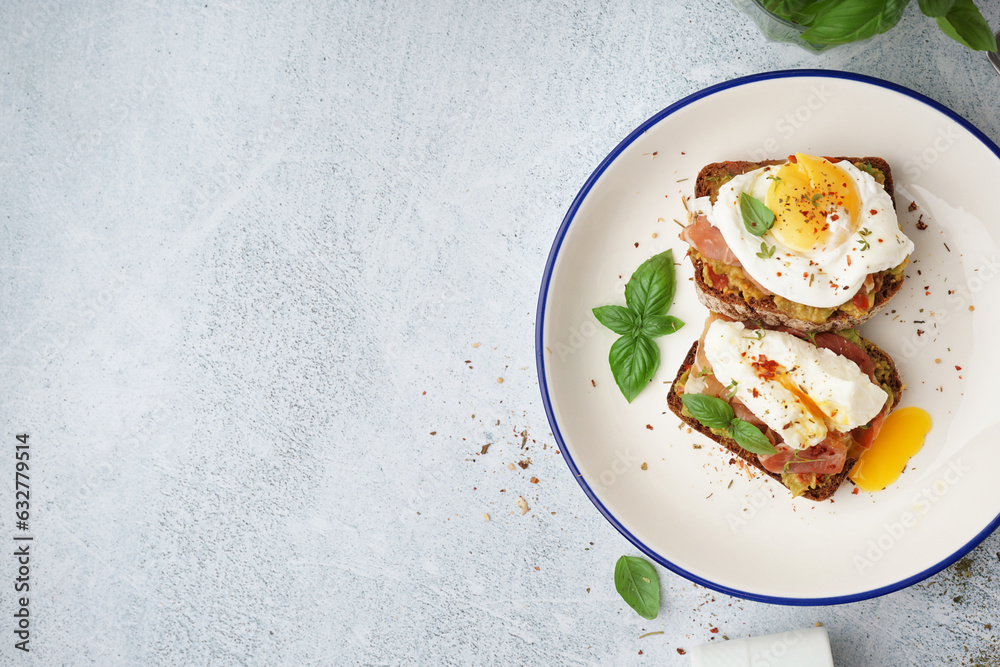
660, 325
935, 8
750, 438
639, 585
809, 13
966, 25
619, 319
650, 290
710, 411
757, 217
853, 20
784, 8
633, 360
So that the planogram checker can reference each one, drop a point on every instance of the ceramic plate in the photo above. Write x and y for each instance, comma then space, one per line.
690, 510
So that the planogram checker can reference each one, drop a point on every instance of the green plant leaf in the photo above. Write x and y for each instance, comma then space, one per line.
966, 25
710, 411
650, 290
639, 585
757, 217
634, 360
935, 8
655, 326
785, 8
853, 20
619, 319
750, 438
809, 13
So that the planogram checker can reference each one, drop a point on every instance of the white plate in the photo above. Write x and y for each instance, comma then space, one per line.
691, 511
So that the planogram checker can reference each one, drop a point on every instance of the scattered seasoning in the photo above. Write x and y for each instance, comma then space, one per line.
649, 427
714, 631
476, 344
971, 308
499, 380
855, 491
534, 480
523, 504
486, 516
682, 651
921, 225
524, 464
643, 466
434, 432
658, 632
512, 466
912, 207
485, 448
958, 368
946, 247
636, 244
593, 384
654, 235
937, 361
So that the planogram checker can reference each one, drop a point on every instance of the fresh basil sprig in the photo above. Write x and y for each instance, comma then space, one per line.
757, 217
716, 413
844, 21
639, 585
649, 293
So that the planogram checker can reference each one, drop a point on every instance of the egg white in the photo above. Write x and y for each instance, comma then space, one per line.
839, 388
824, 277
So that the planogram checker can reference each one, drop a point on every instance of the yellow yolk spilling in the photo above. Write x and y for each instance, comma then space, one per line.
901, 437
814, 202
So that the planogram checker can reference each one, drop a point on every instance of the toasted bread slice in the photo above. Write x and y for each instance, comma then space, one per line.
885, 373
764, 310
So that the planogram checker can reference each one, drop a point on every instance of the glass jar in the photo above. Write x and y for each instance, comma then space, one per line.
777, 29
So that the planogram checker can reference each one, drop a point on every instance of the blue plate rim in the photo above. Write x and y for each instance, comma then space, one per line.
540, 324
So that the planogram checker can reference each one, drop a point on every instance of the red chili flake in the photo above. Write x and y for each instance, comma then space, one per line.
765, 368
873, 211
805, 274
848, 260
958, 368
881, 241
649, 426
681, 651
536, 567
755, 392
834, 216
637, 245
855, 491
778, 274
593, 384
640, 652
912, 207
714, 631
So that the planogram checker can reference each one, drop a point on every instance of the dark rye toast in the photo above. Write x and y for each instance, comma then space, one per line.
885, 373
764, 310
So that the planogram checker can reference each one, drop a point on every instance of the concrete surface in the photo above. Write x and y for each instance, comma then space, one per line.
264, 266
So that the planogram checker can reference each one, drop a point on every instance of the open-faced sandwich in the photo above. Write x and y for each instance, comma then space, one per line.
801, 407
809, 243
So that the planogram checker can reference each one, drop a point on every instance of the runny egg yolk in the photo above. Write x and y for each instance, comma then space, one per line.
815, 203
901, 437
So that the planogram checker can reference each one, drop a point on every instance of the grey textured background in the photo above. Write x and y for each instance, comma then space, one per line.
263, 265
